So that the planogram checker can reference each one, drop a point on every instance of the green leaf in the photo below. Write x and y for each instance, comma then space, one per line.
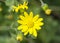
9, 2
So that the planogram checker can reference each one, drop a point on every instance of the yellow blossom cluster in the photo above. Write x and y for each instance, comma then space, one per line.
20, 6
28, 23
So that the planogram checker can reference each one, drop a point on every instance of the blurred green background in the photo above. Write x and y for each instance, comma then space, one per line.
50, 32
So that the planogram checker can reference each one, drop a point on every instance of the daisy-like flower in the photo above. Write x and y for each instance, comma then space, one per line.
20, 6
30, 24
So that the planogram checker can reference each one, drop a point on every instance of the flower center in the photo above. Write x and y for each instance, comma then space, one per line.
30, 24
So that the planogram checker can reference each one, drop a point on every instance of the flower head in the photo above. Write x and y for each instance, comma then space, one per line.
24, 6
16, 9
30, 24
20, 6
48, 11
19, 37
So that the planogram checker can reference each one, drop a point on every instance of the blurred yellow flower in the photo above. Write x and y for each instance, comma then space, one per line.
30, 24
48, 11
16, 9
19, 37
0, 9
10, 17
24, 6
20, 6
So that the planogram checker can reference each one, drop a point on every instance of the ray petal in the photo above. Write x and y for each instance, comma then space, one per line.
35, 18
40, 19
34, 33
20, 22
26, 33
25, 14
30, 31
31, 14
21, 17
25, 28
20, 27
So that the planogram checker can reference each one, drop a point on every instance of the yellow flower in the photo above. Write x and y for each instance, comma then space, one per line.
19, 37
20, 6
16, 9
24, 6
30, 24
48, 11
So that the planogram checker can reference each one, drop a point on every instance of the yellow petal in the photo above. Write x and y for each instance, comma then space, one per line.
34, 33
16, 9
35, 18
25, 28
25, 3
19, 27
41, 23
20, 22
38, 22
26, 7
30, 31
31, 14
40, 19
37, 27
21, 17
25, 14
26, 33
